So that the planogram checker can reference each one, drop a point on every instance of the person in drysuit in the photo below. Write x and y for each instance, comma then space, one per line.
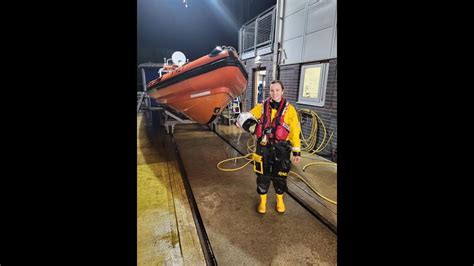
275, 124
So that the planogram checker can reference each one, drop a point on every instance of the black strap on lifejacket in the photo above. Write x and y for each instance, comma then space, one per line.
279, 113
265, 108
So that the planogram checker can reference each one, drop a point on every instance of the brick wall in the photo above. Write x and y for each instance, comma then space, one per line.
290, 75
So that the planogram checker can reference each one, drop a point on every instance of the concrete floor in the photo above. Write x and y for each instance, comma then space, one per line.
166, 232
227, 203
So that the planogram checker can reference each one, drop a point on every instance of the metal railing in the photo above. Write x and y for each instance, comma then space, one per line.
140, 100
257, 32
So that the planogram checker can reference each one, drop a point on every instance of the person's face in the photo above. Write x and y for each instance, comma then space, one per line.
276, 92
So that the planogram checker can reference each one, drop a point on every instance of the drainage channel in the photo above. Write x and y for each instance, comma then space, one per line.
204, 239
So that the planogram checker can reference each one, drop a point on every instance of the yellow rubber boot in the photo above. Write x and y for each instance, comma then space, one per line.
262, 207
280, 204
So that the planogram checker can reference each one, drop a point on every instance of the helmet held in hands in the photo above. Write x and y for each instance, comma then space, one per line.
247, 122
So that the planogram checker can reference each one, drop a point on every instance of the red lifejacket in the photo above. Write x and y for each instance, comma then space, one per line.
277, 129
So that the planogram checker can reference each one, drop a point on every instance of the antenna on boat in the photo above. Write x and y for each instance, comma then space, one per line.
178, 58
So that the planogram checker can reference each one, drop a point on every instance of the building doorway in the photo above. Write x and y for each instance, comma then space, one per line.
259, 85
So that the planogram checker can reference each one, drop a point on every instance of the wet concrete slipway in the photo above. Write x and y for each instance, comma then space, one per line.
192, 213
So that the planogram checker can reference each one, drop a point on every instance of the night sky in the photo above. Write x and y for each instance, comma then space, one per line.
165, 26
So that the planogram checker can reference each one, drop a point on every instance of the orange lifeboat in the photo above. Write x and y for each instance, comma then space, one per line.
201, 89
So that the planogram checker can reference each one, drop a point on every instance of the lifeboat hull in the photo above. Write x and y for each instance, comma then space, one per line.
203, 88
